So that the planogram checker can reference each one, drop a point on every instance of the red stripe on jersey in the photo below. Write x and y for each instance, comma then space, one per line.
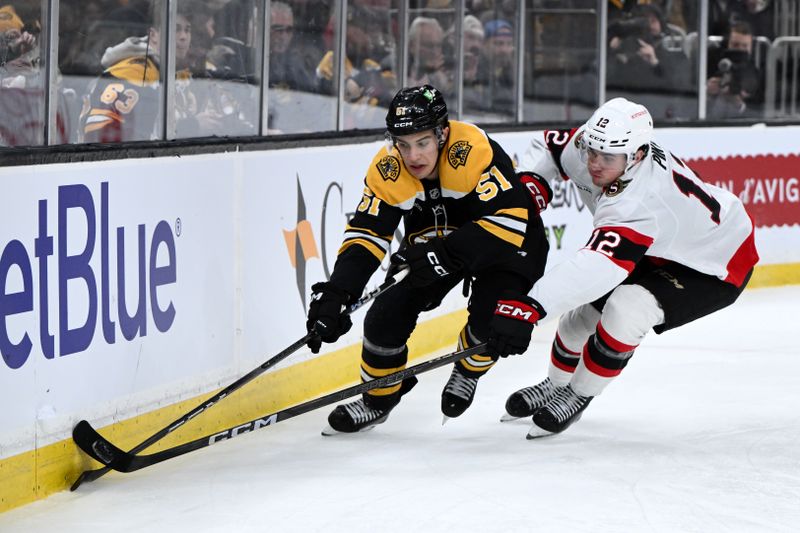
613, 343
743, 260
556, 141
594, 368
622, 245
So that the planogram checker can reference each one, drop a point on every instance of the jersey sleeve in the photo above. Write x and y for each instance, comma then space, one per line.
607, 259
543, 156
498, 207
387, 195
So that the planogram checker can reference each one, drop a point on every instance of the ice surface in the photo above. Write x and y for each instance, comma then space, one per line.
701, 432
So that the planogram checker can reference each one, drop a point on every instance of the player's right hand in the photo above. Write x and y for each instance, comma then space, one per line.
512, 324
326, 316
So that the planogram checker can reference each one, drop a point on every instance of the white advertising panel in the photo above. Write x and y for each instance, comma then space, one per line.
130, 284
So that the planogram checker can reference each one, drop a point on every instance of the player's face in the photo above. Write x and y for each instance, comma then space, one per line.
604, 168
420, 153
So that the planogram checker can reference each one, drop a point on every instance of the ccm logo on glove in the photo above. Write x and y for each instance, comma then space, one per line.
517, 310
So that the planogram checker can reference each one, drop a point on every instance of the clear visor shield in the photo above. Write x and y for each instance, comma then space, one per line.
603, 160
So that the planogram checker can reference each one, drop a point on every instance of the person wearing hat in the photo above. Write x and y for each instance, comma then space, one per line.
496, 71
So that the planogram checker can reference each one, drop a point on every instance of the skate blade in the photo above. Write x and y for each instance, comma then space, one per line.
328, 431
510, 418
537, 433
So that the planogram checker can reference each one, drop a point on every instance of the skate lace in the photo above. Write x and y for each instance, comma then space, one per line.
460, 385
360, 413
538, 395
566, 403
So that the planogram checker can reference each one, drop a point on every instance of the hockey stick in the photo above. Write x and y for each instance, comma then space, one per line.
105, 452
86, 445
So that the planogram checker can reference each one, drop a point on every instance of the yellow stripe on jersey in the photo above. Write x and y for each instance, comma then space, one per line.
370, 246
136, 71
507, 224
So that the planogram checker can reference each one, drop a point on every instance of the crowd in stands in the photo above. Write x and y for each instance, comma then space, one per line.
111, 80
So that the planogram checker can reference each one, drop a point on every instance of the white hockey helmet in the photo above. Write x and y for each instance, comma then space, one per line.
619, 127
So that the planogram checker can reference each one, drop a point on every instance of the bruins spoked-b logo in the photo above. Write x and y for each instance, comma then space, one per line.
389, 167
616, 187
458, 153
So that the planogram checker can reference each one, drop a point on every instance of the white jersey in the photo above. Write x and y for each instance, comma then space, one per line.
659, 209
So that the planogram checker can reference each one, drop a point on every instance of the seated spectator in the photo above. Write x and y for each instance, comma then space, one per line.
21, 80
367, 81
637, 59
287, 69
125, 102
473, 34
426, 63
496, 71
735, 86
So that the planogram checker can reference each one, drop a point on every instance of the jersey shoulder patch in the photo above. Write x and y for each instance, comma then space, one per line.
389, 180
464, 158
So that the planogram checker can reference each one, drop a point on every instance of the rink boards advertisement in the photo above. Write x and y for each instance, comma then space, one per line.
129, 286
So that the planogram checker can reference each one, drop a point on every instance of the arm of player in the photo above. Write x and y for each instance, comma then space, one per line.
607, 259
366, 242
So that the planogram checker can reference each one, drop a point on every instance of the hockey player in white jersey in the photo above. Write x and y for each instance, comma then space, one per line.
666, 249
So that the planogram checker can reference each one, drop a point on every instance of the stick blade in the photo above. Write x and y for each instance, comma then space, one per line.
98, 448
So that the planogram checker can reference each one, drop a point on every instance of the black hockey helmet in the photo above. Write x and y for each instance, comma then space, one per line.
415, 109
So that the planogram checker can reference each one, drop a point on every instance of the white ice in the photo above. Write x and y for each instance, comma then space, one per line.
701, 432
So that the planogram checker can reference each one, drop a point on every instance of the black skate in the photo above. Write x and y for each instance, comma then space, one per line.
525, 402
458, 394
354, 417
559, 413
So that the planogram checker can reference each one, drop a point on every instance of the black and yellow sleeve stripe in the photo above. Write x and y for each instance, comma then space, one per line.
507, 224
377, 245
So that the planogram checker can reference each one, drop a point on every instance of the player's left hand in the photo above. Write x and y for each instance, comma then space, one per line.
512, 324
427, 263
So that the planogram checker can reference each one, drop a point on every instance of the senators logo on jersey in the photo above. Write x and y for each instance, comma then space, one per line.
389, 168
458, 153
616, 187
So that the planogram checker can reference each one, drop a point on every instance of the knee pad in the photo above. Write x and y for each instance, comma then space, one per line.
575, 326
630, 312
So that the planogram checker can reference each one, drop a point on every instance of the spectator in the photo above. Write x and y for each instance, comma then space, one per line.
21, 81
366, 80
125, 103
425, 54
759, 14
735, 87
497, 70
637, 59
473, 34
286, 64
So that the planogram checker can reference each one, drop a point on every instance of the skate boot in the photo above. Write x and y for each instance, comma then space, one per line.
458, 393
525, 402
354, 417
563, 410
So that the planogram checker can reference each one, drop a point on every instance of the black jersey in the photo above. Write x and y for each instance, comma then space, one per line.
476, 204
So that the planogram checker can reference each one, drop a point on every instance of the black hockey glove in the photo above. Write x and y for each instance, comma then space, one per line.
512, 324
539, 189
428, 262
326, 315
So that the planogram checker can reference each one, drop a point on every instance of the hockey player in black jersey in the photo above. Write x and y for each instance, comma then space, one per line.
467, 215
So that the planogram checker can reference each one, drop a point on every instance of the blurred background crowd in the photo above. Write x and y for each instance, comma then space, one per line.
495, 61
